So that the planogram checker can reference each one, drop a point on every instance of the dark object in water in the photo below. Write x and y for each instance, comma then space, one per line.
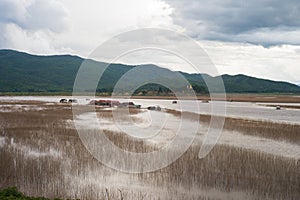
174, 102
63, 101
128, 105
72, 101
157, 108
278, 107
109, 103
205, 101
151, 107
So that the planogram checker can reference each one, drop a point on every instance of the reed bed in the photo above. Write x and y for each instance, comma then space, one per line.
43, 156
234, 169
282, 106
267, 129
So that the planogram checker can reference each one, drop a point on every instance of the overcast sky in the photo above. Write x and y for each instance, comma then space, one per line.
258, 37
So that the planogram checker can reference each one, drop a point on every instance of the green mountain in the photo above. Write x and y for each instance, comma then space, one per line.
22, 72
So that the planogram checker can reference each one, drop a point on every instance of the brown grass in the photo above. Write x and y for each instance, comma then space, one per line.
23, 102
129, 143
74, 173
271, 98
272, 130
283, 106
235, 169
120, 112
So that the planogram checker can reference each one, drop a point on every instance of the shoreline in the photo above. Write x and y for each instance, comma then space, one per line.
254, 98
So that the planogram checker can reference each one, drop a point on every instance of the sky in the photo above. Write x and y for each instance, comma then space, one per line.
258, 38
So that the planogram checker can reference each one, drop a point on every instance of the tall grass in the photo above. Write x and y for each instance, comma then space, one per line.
267, 129
43, 156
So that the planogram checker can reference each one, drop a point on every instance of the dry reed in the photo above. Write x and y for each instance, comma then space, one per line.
42, 156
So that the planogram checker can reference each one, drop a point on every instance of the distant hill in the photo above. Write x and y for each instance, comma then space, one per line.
22, 72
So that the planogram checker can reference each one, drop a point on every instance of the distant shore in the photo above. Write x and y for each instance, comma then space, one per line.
233, 97
267, 98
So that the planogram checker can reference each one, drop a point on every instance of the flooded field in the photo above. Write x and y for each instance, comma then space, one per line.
245, 110
257, 155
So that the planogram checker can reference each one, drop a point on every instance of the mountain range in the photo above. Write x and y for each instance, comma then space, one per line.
22, 72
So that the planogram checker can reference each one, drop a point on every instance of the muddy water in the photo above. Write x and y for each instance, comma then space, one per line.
166, 126
81, 180
244, 110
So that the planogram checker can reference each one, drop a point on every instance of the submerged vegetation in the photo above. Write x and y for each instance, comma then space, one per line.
42, 155
267, 129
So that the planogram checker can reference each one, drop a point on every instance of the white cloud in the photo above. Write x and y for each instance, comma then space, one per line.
277, 62
34, 14
241, 21
32, 25
36, 42
78, 27
94, 22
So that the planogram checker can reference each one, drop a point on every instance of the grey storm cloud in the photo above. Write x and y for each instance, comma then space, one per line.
34, 15
234, 20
